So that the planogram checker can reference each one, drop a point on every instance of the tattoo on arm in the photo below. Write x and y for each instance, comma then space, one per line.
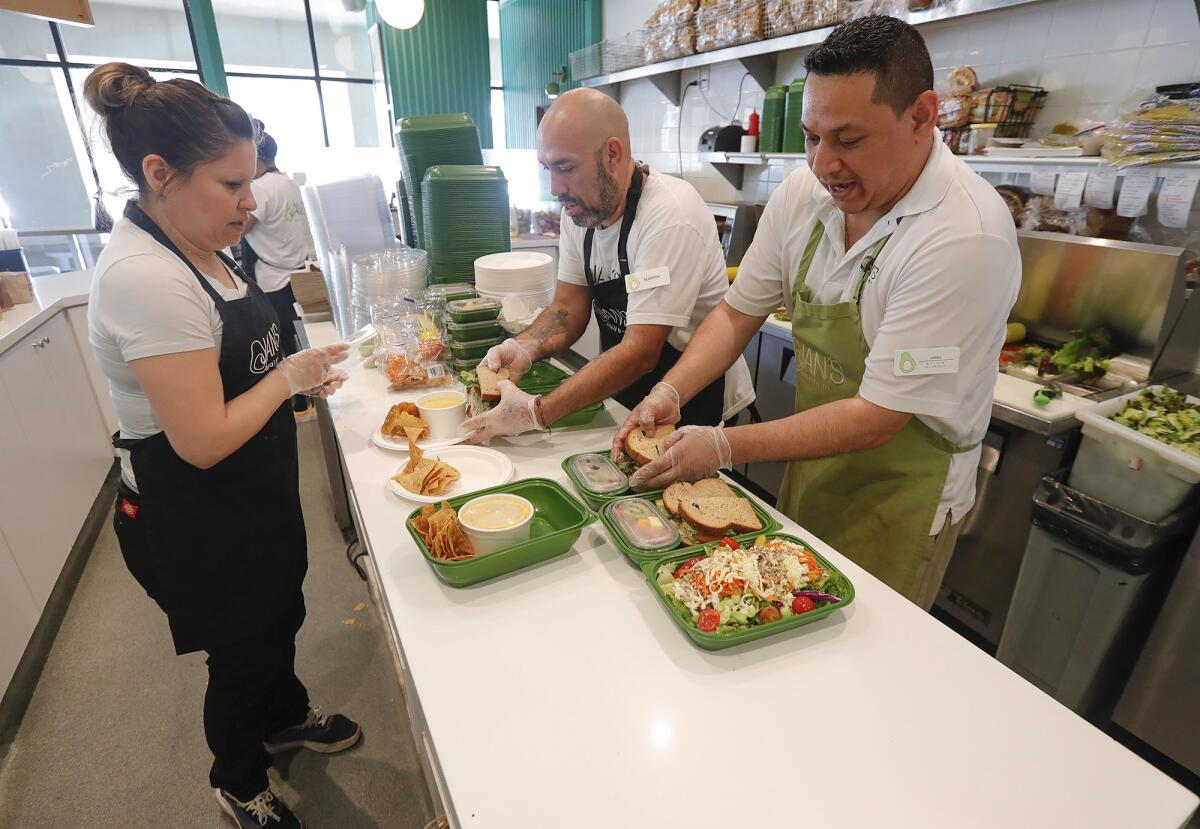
548, 326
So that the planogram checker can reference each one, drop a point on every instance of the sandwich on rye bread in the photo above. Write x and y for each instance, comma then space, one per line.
709, 510
641, 449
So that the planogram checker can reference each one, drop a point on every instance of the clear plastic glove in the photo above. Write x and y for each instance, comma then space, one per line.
659, 408
689, 454
333, 381
514, 355
309, 368
515, 414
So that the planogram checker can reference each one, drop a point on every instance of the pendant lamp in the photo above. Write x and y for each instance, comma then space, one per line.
401, 14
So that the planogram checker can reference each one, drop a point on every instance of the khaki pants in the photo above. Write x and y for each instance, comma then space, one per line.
935, 558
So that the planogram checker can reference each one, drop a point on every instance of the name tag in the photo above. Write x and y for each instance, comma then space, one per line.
645, 280
910, 361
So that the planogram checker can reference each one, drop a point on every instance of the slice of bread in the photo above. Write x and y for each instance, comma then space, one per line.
706, 488
643, 449
720, 516
489, 382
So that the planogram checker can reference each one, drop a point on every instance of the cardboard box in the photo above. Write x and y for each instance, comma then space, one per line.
309, 288
18, 286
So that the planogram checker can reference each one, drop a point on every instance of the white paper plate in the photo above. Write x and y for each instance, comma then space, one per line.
425, 444
479, 467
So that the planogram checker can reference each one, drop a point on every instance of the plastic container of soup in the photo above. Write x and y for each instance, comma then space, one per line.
495, 522
640, 526
444, 411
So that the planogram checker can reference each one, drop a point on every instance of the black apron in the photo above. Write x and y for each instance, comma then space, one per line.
610, 300
228, 543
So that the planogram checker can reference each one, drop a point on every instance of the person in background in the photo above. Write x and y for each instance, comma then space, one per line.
208, 512
899, 266
279, 241
640, 252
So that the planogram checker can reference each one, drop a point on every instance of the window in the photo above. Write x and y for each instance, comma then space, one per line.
150, 33
493, 19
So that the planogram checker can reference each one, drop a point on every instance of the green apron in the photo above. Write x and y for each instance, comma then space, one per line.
875, 506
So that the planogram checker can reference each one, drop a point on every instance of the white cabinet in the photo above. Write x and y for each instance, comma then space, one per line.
18, 615
54, 450
77, 317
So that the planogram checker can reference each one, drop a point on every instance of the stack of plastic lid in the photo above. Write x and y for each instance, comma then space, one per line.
523, 281
466, 216
428, 140
385, 275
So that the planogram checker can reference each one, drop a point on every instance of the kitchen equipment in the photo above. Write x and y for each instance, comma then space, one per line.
465, 217
838, 585
793, 130
736, 224
1088, 572
726, 139
1158, 705
428, 140
774, 103
558, 519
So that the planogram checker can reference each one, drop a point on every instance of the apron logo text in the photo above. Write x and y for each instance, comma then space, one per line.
819, 367
264, 352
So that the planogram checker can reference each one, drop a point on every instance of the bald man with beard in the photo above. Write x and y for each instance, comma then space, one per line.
641, 253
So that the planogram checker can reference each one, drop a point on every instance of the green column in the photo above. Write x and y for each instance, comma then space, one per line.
208, 45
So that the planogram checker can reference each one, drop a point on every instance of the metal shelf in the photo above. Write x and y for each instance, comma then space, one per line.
760, 58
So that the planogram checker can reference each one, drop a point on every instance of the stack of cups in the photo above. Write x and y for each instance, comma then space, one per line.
522, 281
386, 275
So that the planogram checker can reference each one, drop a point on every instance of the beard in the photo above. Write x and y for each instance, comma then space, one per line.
591, 215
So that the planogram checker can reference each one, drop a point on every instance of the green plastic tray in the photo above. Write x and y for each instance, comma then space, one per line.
838, 585
542, 375
769, 525
465, 332
580, 418
473, 350
558, 519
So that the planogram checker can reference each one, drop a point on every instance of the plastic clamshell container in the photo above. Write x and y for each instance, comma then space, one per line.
464, 365
596, 474
838, 585
594, 500
640, 526
452, 291
1128, 470
476, 309
558, 519
473, 349
465, 332
638, 557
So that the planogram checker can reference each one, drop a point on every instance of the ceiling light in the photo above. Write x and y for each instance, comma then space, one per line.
401, 14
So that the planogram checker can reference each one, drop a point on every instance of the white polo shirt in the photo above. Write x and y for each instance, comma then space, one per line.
280, 237
673, 229
948, 277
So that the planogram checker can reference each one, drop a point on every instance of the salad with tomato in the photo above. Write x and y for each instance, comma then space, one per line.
734, 587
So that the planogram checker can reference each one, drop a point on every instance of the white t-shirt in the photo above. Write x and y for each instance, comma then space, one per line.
280, 237
146, 302
672, 229
948, 277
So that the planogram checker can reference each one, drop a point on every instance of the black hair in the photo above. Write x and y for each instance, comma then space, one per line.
178, 119
889, 48
267, 149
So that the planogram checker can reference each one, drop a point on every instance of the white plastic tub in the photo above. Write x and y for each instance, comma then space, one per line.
1129, 470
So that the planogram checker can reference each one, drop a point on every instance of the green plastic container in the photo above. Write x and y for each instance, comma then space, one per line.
580, 418
458, 365
771, 131
793, 130
838, 585
465, 332
451, 291
474, 349
542, 377
769, 525
592, 499
475, 309
558, 519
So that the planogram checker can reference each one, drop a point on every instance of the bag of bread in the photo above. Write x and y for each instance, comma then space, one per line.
779, 18
954, 111
828, 12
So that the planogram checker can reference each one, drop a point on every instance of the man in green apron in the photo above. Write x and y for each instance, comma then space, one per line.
898, 266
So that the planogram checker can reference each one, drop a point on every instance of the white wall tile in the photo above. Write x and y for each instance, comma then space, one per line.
1162, 65
1110, 76
1122, 24
1063, 78
1073, 27
983, 42
1026, 38
1174, 21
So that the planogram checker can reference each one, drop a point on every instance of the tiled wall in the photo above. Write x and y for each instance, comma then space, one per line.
1097, 57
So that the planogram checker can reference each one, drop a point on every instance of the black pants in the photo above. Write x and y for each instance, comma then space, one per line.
253, 690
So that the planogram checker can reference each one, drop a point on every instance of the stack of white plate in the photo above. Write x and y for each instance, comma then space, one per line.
387, 275
525, 278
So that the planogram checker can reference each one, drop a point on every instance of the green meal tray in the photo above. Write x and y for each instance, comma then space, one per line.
465, 332
473, 350
542, 376
597, 502
558, 519
478, 315
769, 525
580, 418
838, 585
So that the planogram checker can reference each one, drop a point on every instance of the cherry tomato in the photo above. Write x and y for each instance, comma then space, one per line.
730, 543
687, 565
769, 614
708, 620
803, 604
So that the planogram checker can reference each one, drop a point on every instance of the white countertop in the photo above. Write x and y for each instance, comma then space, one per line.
563, 695
51, 294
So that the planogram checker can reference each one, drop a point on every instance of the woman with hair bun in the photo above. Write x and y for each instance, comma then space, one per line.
208, 508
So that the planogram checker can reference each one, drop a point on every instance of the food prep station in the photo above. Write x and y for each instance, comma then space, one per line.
565, 693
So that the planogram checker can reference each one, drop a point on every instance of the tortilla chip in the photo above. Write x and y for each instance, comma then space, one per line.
446, 539
400, 417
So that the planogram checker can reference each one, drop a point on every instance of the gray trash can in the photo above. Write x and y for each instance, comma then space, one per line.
1087, 582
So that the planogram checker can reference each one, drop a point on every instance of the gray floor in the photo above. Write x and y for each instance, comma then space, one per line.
112, 737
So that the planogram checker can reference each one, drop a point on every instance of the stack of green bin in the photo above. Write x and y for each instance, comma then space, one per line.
425, 141
793, 129
465, 217
771, 140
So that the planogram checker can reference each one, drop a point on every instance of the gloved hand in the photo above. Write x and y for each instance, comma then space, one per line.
689, 454
309, 368
659, 408
514, 355
333, 381
515, 414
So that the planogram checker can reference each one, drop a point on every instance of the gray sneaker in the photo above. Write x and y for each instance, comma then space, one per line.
264, 810
326, 733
